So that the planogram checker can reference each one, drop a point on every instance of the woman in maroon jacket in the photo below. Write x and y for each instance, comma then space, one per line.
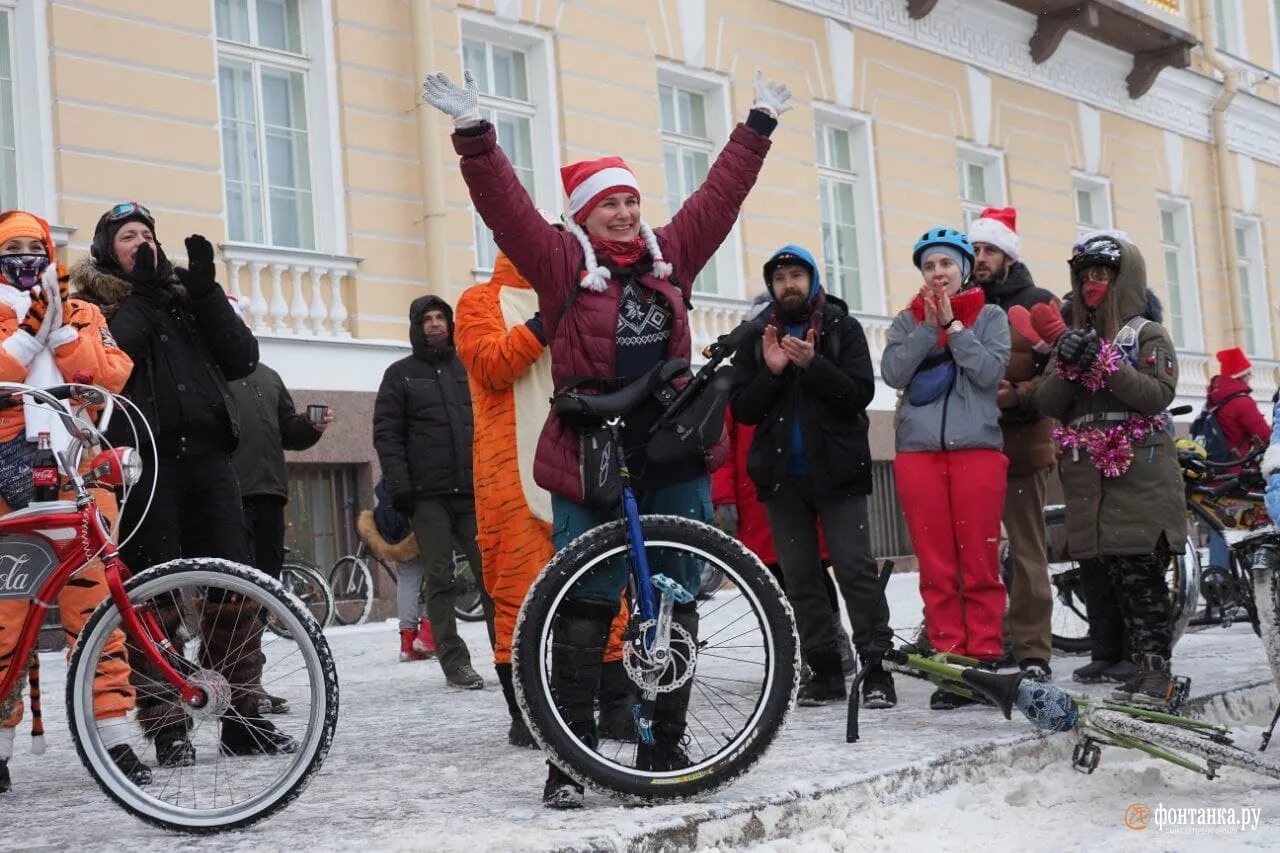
614, 298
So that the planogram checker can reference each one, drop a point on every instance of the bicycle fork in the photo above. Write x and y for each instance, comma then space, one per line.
150, 636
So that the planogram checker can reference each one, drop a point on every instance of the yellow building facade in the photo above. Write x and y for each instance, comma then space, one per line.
291, 132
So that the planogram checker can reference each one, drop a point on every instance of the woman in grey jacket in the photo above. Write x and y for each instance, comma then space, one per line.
948, 352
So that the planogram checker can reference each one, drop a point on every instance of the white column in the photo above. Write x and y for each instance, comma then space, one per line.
298, 311
337, 311
319, 313
257, 308
233, 280
279, 308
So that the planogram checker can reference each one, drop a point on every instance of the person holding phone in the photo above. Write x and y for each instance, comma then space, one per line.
948, 351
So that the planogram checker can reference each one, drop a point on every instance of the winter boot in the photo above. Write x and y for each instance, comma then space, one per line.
1151, 686
827, 684
465, 677
1120, 672
1035, 669
425, 642
518, 734
579, 634
125, 758
160, 712
1093, 672
269, 704
407, 639
560, 791
617, 699
877, 687
669, 748
848, 663
252, 735
6, 783
174, 749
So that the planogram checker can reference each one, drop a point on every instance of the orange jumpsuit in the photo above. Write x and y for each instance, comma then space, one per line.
92, 351
509, 371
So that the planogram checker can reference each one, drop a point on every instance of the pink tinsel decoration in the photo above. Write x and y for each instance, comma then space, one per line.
1095, 378
1110, 449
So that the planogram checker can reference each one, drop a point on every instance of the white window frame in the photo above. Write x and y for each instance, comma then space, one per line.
993, 176
1273, 16
324, 143
1189, 292
866, 200
36, 188
714, 89
1099, 190
1253, 276
1232, 24
539, 51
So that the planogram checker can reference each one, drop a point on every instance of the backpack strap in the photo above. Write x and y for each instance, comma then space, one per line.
1128, 339
1214, 411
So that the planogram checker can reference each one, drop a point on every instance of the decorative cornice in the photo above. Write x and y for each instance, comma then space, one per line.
994, 36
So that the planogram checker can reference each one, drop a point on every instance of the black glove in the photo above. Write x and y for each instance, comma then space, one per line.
144, 264
535, 325
1092, 346
199, 276
404, 503
1071, 346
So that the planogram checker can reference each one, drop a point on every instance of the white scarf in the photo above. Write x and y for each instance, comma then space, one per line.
42, 372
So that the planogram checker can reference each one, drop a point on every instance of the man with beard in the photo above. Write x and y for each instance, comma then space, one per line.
1028, 441
806, 384
422, 432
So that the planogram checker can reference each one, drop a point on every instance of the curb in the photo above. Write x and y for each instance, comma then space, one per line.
792, 813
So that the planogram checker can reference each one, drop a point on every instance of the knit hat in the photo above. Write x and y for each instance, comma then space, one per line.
1234, 362
21, 270
586, 183
997, 226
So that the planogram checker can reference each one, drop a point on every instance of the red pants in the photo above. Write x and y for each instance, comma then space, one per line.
953, 502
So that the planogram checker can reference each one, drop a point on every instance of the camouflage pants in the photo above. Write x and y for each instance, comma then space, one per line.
1135, 586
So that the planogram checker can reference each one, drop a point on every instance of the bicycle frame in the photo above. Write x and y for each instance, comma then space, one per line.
42, 530
635, 533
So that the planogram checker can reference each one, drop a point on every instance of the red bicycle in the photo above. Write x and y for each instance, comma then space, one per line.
167, 618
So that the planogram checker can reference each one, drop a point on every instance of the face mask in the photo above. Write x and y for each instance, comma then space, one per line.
1095, 292
23, 271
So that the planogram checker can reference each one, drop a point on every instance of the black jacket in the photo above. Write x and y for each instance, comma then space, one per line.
184, 351
830, 397
269, 425
1016, 288
422, 427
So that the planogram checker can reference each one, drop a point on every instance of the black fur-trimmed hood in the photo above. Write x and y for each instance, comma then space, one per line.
108, 290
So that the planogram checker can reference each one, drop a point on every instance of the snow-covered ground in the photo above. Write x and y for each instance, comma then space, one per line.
418, 766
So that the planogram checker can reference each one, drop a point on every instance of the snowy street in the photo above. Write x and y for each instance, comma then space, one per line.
418, 766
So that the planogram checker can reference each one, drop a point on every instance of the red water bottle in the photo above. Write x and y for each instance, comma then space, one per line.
44, 471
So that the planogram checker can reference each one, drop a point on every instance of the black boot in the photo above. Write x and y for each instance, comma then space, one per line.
668, 750
579, 634
127, 760
827, 684
252, 735
174, 749
617, 699
5, 782
518, 734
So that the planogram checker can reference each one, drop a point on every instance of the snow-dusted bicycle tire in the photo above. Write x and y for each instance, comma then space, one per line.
314, 666
1186, 741
760, 594
1266, 597
318, 599
352, 586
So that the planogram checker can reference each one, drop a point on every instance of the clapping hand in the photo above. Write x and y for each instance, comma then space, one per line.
800, 351
775, 356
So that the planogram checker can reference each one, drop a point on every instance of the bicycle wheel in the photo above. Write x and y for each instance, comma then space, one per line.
212, 614
467, 604
742, 658
1266, 596
352, 586
1069, 625
712, 580
305, 581
1188, 741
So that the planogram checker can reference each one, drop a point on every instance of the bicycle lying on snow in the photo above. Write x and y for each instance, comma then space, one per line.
162, 620
737, 653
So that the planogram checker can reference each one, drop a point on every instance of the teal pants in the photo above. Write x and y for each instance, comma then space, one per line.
605, 582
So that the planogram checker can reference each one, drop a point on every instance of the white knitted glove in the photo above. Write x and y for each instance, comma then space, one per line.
771, 97
461, 103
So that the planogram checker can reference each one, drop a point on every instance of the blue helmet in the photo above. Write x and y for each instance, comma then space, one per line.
942, 237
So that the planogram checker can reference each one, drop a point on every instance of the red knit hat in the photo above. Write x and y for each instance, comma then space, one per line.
1234, 362
589, 181
997, 226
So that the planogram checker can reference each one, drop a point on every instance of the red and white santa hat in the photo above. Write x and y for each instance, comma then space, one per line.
997, 226
586, 183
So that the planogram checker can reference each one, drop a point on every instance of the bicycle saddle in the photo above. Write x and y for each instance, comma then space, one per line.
574, 404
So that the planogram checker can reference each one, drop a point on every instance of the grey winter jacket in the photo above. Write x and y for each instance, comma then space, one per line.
966, 417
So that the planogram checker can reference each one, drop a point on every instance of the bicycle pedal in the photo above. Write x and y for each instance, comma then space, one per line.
669, 587
1086, 756
1181, 690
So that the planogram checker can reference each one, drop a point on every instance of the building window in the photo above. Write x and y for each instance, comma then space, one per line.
846, 190
262, 79
502, 76
1093, 204
1254, 307
320, 515
1179, 271
1227, 26
981, 176
693, 125
8, 118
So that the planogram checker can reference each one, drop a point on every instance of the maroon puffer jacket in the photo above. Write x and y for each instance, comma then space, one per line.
552, 261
